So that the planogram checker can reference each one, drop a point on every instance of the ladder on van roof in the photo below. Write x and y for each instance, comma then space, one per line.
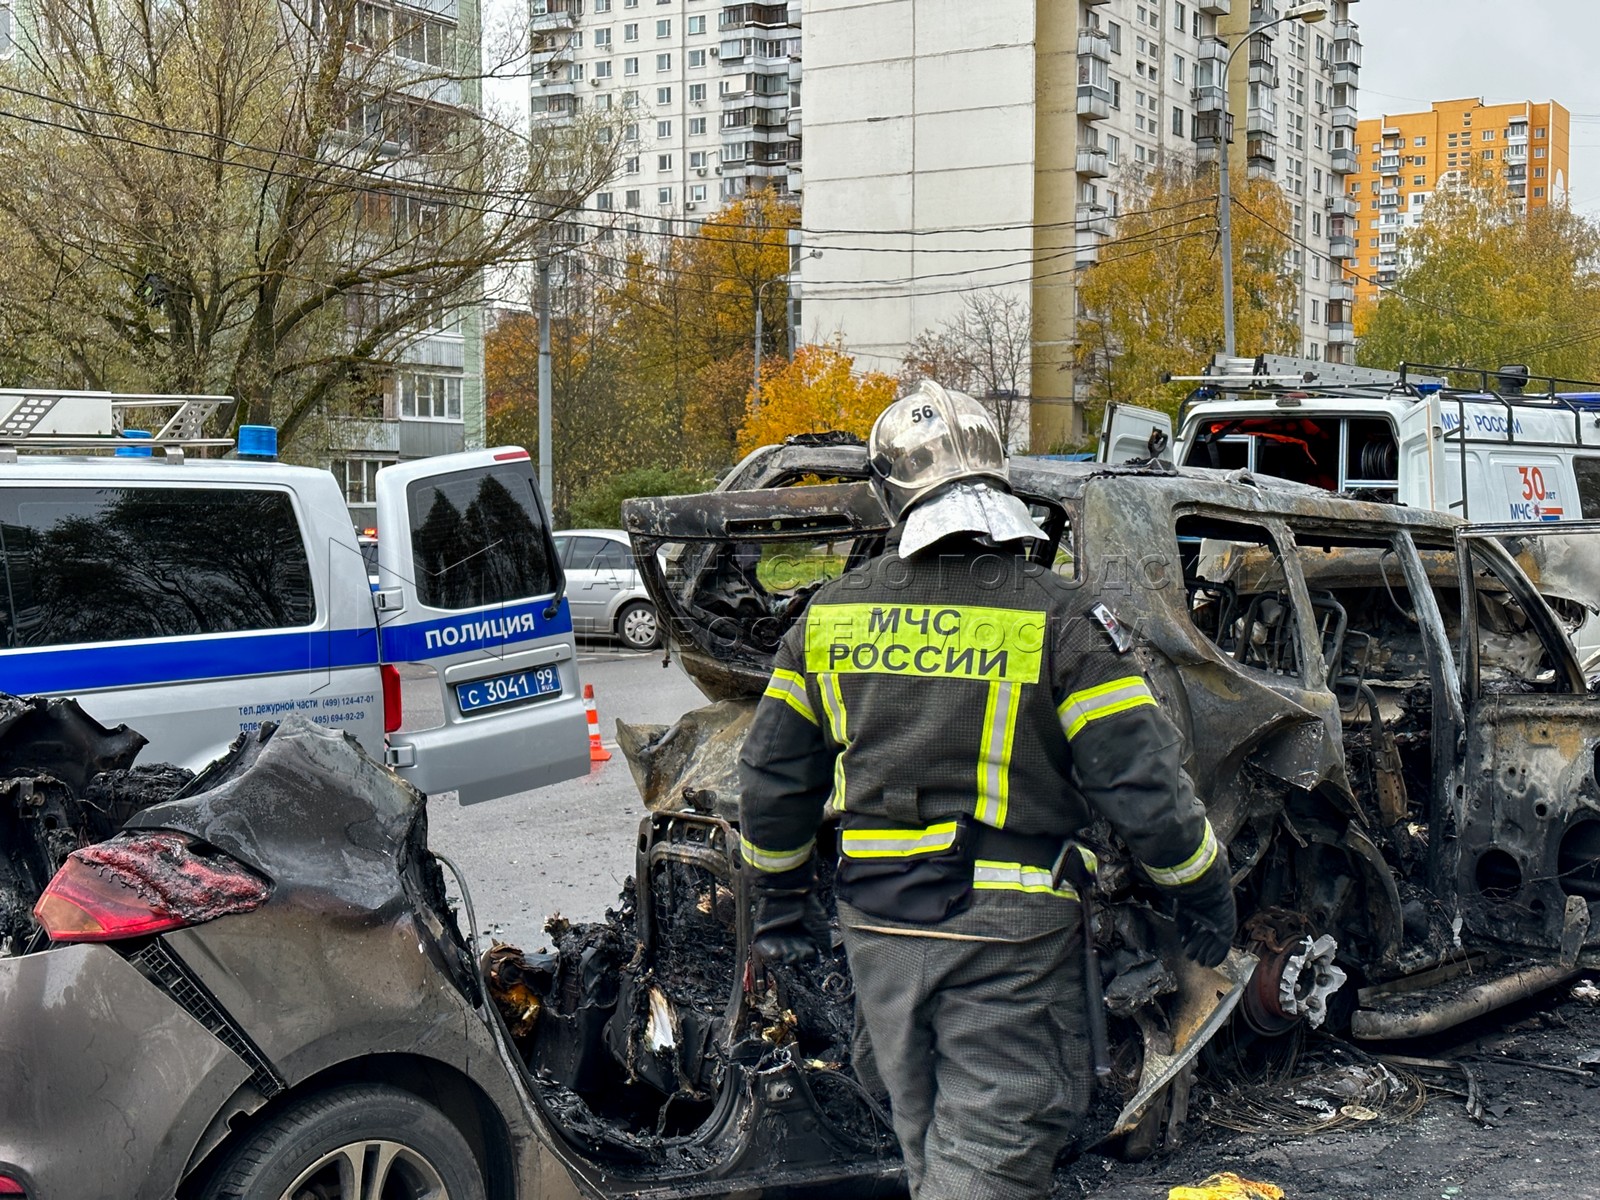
51, 419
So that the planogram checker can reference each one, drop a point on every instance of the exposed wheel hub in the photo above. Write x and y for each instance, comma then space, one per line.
1292, 983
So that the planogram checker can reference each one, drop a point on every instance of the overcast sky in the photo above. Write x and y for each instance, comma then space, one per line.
1417, 51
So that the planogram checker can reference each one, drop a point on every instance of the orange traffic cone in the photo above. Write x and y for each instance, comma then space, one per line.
597, 752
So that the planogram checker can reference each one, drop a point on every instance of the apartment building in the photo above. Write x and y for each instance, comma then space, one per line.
1402, 159
706, 95
952, 149
432, 402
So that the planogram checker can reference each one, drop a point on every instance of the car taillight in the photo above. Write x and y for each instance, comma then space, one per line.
391, 697
10, 1187
144, 883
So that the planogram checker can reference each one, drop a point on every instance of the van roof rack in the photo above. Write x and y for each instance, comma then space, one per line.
1282, 372
52, 419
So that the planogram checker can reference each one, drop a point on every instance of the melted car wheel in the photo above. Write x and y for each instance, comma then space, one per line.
352, 1143
637, 626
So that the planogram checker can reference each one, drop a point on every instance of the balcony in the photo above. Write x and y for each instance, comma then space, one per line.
1388, 199
794, 120
1263, 10
1214, 49
1093, 43
1517, 191
1092, 3
1092, 162
1094, 103
1341, 332
557, 87
554, 21
1343, 161
1346, 74
1389, 258
1212, 127
1208, 99
1342, 290
1215, 8
1344, 116
1341, 245
1347, 33
1389, 164
1261, 119
1261, 149
1342, 206
1263, 62
1094, 218
1517, 154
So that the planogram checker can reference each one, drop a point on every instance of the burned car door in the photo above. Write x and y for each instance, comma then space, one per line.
1527, 855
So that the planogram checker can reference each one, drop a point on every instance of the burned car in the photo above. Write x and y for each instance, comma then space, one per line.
255, 982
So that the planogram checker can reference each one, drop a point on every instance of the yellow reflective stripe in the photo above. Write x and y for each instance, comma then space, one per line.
774, 860
833, 705
898, 843
994, 756
1015, 877
1191, 868
1105, 700
951, 642
790, 687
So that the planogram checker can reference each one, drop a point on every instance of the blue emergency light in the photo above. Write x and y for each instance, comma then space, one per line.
135, 451
257, 441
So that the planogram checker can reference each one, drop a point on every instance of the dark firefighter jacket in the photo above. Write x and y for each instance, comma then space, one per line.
963, 691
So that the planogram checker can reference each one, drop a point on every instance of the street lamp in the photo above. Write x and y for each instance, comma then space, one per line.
755, 391
1310, 12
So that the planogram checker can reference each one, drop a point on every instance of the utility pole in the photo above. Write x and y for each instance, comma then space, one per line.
755, 386
546, 455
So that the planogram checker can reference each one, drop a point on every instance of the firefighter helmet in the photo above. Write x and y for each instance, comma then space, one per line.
931, 438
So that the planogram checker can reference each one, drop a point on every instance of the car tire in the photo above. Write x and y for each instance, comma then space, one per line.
329, 1145
638, 628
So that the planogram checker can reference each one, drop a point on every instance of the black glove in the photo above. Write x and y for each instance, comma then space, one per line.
1206, 915
788, 926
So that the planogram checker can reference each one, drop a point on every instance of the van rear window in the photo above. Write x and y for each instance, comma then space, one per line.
115, 564
477, 538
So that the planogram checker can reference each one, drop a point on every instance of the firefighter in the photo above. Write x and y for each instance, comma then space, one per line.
963, 711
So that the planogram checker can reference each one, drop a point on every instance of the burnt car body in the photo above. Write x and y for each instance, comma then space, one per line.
1383, 715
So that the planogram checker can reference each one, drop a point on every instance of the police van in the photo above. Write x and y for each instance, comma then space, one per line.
196, 598
1492, 451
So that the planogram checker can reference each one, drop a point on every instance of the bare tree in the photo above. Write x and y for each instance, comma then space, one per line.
985, 351
268, 198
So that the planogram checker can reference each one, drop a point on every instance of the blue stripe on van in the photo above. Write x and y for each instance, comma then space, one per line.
80, 668
486, 629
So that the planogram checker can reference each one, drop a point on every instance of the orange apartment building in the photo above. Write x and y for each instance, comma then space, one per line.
1401, 159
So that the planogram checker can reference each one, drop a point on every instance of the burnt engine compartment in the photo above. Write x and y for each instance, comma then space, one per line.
66, 781
652, 1044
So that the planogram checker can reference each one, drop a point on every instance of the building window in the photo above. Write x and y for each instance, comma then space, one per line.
1113, 148
1538, 172
1539, 132
630, 166
1316, 312
1419, 180
664, 95
1114, 36
360, 478
630, 66
697, 193
697, 126
602, 70
663, 162
664, 28
602, 37
1488, 135
630, 32
1177, 121
697, 92
430, 397
696, 58
697, 158
1421, 141
631, 198
663, 62
1538, 151
697, 25
1179, 18
601, 6
602, 201
1116, 94
664, 195
1177, 67
663, 129
1538, 193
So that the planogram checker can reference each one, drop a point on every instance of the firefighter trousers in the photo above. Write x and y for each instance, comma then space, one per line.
983, 1048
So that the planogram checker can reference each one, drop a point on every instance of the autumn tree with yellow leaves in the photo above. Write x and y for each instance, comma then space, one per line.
652, 352
817, 392
1154, 299
1485, 284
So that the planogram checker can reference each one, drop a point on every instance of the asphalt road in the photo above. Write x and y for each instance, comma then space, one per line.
568, 847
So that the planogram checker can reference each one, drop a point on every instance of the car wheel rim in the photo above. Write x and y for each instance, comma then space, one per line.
369, 1170
639, 627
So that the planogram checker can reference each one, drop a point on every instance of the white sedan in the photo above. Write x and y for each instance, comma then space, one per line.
604, 588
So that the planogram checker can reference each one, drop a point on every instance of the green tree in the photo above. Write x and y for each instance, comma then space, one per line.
1486, 284
1154, 299
263, 198
599, 506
